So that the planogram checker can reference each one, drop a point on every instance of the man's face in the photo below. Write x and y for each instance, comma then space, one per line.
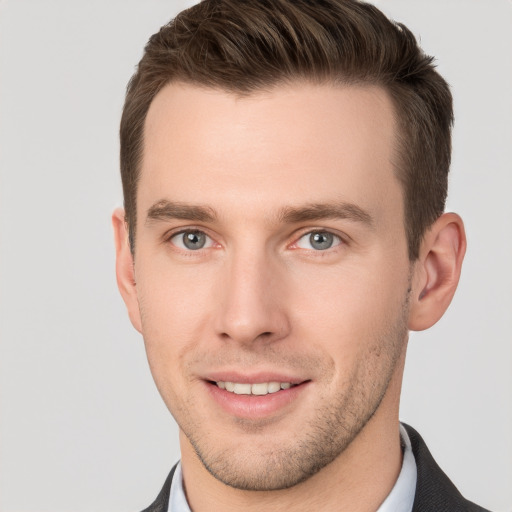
271, 260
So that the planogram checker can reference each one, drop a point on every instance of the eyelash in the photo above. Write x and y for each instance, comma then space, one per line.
338, 240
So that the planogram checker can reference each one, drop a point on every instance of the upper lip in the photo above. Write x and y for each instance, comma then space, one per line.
252, 377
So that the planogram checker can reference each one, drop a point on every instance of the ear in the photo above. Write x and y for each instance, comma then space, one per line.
125, 272
437, 271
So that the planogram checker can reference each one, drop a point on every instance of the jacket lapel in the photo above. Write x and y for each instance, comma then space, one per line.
434, 490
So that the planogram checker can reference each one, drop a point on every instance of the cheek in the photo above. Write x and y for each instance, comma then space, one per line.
176, 306
345, 310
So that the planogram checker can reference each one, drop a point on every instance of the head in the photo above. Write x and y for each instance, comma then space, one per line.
284, 169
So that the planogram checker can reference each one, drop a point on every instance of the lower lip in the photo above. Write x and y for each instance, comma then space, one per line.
253, 407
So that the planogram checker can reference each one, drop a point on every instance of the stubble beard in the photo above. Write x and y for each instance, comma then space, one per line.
267, 466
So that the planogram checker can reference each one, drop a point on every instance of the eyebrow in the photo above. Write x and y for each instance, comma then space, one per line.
321, 211
168, 210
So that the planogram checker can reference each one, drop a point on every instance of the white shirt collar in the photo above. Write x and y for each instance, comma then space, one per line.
400, 499
177, 499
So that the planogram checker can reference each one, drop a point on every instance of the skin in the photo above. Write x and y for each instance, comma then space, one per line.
260, 301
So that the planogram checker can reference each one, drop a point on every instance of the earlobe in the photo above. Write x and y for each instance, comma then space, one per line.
125, 273
437, 271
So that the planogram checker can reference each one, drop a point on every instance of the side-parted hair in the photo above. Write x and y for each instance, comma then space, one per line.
243, 46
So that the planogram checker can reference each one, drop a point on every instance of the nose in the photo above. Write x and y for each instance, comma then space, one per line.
252, 300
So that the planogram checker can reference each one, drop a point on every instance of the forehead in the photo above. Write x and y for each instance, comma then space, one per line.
291, 144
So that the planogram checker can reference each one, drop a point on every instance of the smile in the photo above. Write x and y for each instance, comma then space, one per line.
259, 389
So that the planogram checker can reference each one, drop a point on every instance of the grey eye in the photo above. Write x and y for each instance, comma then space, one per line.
191, 240
321, 241
194, 241
318, 240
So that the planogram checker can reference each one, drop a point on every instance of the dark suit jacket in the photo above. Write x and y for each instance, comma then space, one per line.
434, 490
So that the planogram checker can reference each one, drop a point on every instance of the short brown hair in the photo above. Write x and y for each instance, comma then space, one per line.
247, 45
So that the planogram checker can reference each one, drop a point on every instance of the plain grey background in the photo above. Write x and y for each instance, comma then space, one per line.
82, 426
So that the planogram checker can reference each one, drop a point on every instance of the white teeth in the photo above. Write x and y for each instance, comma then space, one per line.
242, 389
260, 388
273, 387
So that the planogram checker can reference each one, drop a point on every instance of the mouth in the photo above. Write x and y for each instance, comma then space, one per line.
254, 397
257, 388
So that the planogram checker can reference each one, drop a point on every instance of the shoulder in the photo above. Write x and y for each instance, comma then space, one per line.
161, 504
435, 492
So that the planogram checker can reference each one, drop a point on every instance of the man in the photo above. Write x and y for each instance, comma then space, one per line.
284, 169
